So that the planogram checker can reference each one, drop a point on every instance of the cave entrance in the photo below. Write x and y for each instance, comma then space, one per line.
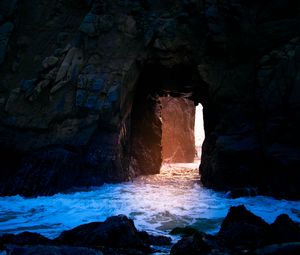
157, 93
182, 130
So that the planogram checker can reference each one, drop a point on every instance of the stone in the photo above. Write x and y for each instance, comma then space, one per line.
154, 240
27, 87
116, 232
284, 230
70, 65
50, 62
178, 141
278, 249
94, 25
24, 238
5, 31
52, 250
192, 245
243, 229
8, 7
186, 231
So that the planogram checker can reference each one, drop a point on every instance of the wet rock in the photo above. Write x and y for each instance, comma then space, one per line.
94, 24
154, 240
5, 32
241, 228
51, 250
24, 238
49, 62
244, 192
116, 232
186, 231
8, 7
284, 230
278, 249
195, 244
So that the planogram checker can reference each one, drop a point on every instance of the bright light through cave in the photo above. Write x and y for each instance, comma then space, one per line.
199, 130
182, 130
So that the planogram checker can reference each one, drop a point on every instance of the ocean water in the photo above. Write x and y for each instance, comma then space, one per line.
157, 203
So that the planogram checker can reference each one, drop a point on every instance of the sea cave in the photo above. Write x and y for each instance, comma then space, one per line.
149, 127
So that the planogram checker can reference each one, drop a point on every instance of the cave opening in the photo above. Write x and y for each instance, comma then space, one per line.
166, 119
182, 130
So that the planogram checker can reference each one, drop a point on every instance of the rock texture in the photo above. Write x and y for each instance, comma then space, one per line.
79, 83
178, 122
117, 235
242, 232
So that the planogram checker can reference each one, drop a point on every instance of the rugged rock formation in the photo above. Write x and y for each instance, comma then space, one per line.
178, 122
116, 235
242, 232
80, 82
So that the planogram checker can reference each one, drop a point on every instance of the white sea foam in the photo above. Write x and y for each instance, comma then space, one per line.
156, 203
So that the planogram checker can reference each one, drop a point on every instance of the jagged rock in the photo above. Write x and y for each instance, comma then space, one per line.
5, 31
195, 244
116, 232
284, 230
154, 240
242, 228
242, 232
52, 250
50, 62
94, 24
278, 249
24, 238
8, 7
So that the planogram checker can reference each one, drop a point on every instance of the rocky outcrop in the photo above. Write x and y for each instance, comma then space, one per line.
242, 232
116, 235
80, 81
178, 122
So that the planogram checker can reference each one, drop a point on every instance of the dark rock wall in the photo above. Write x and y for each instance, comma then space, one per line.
178, 122
69, 79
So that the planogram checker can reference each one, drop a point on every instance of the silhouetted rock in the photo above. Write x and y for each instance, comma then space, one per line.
154, 240
195, 244
284, 230
51, 250
186, 231
278, 249
242, 232
116, 232
243, 192
25, 238
242, 228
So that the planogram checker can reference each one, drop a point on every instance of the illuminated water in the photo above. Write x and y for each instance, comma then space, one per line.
156, 203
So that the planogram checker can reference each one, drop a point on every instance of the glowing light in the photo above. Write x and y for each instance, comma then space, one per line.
199, 129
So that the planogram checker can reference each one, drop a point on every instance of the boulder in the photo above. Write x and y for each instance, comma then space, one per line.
284, 230
25, 238
51, 250
241, 228
5, 31
195, 244
154, 240
115, 232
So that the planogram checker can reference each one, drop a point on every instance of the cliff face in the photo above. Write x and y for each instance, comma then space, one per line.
178, 122
72, 71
